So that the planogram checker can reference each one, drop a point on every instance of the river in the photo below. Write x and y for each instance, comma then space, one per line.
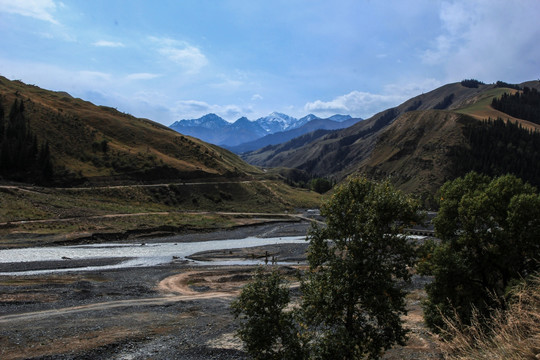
139, 254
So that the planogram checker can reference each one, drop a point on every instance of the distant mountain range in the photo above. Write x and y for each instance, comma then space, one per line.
214, 129
53, 138
284, 136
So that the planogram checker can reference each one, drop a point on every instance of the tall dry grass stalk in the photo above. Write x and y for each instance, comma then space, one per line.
512, 334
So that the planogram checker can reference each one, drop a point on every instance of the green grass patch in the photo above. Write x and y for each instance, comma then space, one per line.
30, 214
483, 104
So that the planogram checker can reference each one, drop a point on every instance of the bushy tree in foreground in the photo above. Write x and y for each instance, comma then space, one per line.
490, 238
351, 302
351, 297
268, 331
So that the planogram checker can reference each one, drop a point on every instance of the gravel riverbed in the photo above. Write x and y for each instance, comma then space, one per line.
177, 310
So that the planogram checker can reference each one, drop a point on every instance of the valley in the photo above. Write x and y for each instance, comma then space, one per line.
178, 309
293, 180
134, 239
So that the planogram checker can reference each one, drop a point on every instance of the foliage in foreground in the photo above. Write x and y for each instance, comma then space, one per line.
489, 230
269, 331
351, 303
512, 334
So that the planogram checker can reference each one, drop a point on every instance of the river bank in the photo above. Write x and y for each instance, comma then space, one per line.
125, 313
177, 310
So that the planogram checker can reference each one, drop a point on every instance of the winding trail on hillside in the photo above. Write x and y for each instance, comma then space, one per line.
35, 189
30, 188
163, 213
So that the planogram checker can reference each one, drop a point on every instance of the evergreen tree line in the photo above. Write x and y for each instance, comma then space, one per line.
524, 105
471, 83
21, 156
497, 148
502, 84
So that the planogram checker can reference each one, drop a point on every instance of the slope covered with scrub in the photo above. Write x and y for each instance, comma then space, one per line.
97, 143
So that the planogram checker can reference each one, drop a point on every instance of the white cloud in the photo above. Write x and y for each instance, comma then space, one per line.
227, 84
488, 40
405, 90
189, 57
355, 103
37, 9
142, 76
365, 104
191, 109
256, 97
105, 43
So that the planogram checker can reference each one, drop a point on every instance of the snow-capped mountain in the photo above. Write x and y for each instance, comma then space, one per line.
340, 118
214, 129
306, 119
208, 121
277, 122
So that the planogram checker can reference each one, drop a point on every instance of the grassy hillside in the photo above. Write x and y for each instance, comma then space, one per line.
96, 143
418, 144
35, 215
413, 151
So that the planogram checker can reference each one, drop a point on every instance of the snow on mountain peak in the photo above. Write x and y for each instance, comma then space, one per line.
274, 122
209, 121
277, 122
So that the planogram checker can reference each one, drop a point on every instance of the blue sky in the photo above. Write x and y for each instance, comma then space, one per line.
171, 60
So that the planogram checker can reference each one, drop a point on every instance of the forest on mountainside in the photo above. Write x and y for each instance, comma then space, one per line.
21, 156
524, 105
499, 147
471, 83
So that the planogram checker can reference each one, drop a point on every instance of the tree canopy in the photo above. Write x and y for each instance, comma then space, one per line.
20, 155
498, 147
350, 293
268, 331
522, 104
489, 231
352, 301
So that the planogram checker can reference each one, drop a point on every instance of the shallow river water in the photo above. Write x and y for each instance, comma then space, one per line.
140, 255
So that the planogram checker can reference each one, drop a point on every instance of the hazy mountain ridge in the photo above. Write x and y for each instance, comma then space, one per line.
214, 129
283, 136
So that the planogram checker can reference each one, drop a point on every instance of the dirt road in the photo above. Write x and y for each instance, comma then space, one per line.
172, 311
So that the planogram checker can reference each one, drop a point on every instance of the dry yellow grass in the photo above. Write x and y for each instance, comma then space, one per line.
513, 334
480, 108
136, 149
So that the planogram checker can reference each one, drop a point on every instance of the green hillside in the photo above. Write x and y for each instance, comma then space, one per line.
90, 143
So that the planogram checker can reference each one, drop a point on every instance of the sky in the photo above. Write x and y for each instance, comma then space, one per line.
168, 60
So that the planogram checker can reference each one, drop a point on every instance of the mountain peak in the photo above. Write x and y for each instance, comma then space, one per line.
340, 118
209, 121
277, 122
306, 119
242, 120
